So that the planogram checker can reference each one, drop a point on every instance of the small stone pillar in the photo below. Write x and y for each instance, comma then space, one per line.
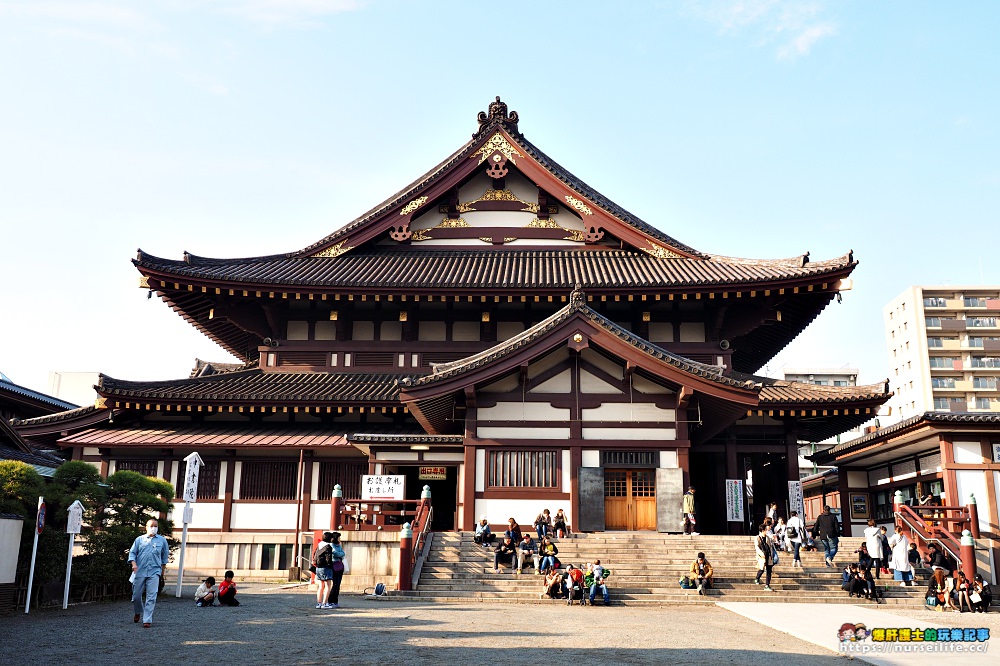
405, 558
973, 516
336, 505
968, 555
425, 505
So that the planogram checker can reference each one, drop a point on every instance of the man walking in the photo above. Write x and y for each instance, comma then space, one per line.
148, 555
687, 508
827, 529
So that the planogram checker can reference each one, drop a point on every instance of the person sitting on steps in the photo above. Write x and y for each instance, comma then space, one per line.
701, 571
483, 536
527, 549
574, 585
506, 551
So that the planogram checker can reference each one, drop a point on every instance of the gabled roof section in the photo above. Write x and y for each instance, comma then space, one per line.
28, 402
496, 143
257, 386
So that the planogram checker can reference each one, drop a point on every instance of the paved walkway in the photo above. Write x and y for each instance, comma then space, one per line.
819, 624
282, 627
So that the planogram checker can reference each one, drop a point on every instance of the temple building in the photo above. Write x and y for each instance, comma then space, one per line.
499, 331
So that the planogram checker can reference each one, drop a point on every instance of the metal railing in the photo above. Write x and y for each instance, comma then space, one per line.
369, 515
421, 543
930, 525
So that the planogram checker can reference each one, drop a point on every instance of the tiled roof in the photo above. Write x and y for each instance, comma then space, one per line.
256, 385
55, 418
577, 304
404, 438
40, 461
485, 131
929, 417
207, 436
458, 270
45, 400
779, 391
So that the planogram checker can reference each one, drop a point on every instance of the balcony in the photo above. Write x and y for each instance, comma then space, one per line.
963, 385
953, 345
953, 325
954, 303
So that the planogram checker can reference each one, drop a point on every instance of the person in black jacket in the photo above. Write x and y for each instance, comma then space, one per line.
827, 530
506, 551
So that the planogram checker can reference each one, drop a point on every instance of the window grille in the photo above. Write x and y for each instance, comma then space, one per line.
144, 467
347, 473
523, 469
629, 458
208, 480
265, 480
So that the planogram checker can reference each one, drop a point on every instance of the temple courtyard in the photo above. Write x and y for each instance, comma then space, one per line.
276, 625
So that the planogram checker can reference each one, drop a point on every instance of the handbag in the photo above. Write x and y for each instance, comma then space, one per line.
975, 598
312, 568
338, 565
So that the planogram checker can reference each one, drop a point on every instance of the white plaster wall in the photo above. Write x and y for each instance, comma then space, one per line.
592, 384
443, 456
503, 385
643, 385
693, 332
523, 411
567, 476
973, 482
397, 455
174, 469
668, 459
325, 330
319, 515
508, 329
223, 475
631, 434
237, 475
363, 330
205, 516
524, 433
480, 470
497, 511
432, 331
298, 330
857, 479
629, 412
561, 383
91, 451
661, 331
10, 543
548, 362
970, 453
466, 331
259, 516
590, 458
604, 363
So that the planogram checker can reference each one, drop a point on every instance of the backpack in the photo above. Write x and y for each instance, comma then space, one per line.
686, 583
791, 532
377, 591
324, 558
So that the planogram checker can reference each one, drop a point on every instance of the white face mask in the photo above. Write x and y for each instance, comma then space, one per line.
151, 530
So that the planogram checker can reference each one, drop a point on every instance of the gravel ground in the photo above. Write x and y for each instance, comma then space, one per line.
275, 626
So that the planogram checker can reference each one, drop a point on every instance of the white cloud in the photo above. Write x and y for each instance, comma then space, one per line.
792, 28
95, 13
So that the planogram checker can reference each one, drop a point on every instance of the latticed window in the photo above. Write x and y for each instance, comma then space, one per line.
263, 480
346, 473
630, 458
523, 469
208, 480
144, 467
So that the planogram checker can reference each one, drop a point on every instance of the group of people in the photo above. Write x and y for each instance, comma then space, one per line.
546, 525
148, 557
949, 588
328, 560
518, 549
577, 584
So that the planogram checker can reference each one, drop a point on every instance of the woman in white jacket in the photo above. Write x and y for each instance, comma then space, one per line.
873, 539
900, 562
795, 529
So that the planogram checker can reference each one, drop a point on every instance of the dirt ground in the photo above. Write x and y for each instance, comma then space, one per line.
276, 626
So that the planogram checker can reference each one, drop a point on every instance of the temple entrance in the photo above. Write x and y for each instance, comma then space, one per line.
444, 492
708, 476
630, 499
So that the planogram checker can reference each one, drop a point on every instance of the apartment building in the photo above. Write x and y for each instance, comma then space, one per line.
944, 350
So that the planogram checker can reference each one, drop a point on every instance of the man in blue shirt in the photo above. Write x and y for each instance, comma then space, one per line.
148, 555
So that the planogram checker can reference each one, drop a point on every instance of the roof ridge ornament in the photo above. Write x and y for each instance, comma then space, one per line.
577, 298
497, 114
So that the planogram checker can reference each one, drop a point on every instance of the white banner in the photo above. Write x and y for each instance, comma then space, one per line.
734, 500
795, 499
382, 487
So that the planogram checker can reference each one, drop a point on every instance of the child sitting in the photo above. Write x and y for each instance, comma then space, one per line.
206, 593
227, 591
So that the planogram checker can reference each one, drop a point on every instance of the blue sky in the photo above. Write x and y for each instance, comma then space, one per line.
246, 127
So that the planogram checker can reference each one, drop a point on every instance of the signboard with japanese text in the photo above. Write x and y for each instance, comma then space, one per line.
996, 452
74, 520
191, 473
433, 473
734, 500
796, 502
382, 487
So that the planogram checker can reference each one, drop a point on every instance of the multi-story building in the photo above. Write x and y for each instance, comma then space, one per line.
944, 350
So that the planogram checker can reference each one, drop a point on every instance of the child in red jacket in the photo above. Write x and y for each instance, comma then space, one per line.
227, 591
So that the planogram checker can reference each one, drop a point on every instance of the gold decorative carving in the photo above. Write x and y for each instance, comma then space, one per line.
579, 205
509, 239
660, 252
466, 207
143, 282
448, 223
498, 195
101, 403
334, 250
544, 224
575, 235
532, 208
486, 239
413, 205
497, 142
420, 235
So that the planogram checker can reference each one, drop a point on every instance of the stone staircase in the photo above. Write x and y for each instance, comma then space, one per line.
645, 569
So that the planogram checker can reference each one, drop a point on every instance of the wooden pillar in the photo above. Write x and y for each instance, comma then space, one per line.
949, 477
468, 490
307, 476
575, 462
227, 501
845, 502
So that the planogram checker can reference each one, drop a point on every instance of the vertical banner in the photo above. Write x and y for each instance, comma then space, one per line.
191, 473
734, 500
795, 500
74, 523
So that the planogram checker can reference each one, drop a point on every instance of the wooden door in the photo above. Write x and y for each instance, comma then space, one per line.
630, 499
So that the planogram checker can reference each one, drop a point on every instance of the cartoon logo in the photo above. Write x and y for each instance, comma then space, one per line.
853, 633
